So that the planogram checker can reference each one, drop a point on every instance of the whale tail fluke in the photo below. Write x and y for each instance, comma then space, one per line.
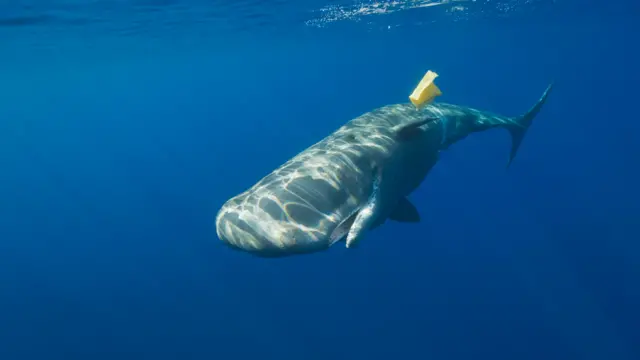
522, 123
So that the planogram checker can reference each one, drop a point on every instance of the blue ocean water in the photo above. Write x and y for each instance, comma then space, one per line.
125, 125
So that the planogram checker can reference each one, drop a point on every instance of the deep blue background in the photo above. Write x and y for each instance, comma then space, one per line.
116, 152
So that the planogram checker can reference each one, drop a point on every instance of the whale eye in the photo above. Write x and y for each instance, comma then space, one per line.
350, 137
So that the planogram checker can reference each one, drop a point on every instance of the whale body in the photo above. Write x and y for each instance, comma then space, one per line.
355, 179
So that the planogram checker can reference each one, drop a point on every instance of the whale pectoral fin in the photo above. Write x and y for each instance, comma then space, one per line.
361, 224
367, 215
405, 211
405, 132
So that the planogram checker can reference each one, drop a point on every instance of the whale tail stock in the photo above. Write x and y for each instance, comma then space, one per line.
522, 123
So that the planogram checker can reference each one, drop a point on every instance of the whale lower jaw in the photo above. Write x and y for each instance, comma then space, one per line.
263, 238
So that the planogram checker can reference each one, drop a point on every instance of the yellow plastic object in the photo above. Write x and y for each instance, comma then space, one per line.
426, 90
